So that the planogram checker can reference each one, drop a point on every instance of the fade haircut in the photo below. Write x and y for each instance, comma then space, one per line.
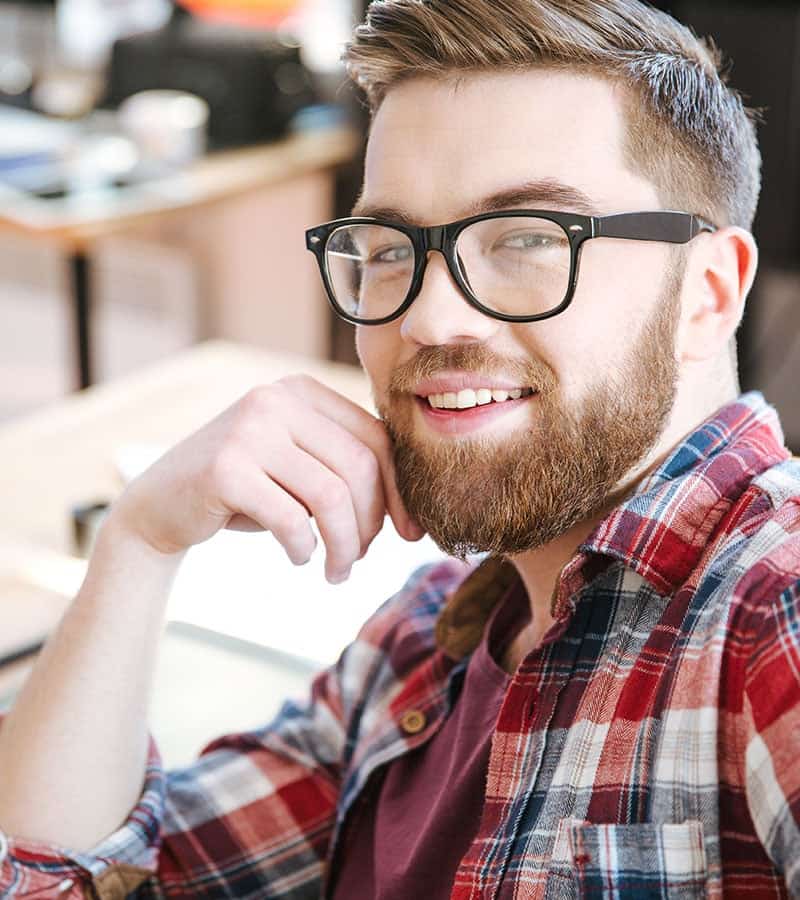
688, 131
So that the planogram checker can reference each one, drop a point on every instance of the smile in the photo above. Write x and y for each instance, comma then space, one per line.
472, 415
469, 398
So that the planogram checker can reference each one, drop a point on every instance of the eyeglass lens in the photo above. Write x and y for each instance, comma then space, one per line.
513, 265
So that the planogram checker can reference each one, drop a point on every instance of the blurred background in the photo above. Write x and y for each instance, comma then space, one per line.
159, 163
131, 230
112, 257
148, 196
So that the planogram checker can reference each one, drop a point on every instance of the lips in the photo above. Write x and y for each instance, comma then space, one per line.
452, 422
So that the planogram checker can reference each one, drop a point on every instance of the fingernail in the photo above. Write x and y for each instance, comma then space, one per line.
339, 577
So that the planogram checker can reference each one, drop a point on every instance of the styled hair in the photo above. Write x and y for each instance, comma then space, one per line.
688, 131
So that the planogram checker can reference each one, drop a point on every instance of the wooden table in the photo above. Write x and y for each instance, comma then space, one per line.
63, 455
222, 206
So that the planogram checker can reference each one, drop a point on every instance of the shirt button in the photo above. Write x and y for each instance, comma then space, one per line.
413, 721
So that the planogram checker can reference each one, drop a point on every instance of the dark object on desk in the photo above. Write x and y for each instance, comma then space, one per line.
21, 653
253, 82
86, 521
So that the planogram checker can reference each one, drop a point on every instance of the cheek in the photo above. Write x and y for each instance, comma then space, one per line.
574, 346
619, 283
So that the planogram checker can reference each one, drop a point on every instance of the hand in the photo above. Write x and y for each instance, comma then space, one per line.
282, 453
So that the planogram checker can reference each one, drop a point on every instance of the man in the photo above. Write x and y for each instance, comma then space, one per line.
547, 265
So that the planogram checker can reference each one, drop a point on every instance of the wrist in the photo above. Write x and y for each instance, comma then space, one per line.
117, 538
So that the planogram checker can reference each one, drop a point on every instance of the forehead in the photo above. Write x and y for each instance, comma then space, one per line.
438, 146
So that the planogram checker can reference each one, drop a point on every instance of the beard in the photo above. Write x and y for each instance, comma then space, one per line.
508, 496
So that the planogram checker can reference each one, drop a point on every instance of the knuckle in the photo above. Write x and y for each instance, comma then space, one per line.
259, 401
260, 413
331, 495
364, 462
297, 382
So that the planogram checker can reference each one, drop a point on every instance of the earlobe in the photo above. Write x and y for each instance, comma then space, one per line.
722, 269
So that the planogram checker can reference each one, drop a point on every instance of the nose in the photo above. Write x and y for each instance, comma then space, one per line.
440, 314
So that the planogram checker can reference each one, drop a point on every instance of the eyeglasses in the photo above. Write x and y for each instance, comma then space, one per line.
515, 265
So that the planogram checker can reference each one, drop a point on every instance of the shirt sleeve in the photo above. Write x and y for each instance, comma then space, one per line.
251, 817
772, 724
254, 814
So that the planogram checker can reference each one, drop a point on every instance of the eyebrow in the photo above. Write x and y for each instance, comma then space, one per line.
543, 194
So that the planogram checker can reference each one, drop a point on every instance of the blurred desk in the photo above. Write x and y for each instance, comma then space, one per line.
63, 455
255, 204
233, 647
207, 683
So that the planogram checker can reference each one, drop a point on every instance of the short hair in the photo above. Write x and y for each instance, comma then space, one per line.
688, 131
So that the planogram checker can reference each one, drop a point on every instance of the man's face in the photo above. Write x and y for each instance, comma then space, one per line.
512, 475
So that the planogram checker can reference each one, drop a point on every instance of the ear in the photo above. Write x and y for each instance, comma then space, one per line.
719, 276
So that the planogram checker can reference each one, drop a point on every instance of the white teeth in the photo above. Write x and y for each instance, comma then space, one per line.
467, 398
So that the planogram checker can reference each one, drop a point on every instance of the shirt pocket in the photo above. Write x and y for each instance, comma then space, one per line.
628, 862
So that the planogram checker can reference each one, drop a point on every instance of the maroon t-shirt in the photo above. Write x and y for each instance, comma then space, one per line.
408, 837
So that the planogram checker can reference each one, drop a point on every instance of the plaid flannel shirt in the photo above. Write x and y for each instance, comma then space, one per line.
648, 748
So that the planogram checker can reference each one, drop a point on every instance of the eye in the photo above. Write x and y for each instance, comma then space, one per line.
392, 254
528, 240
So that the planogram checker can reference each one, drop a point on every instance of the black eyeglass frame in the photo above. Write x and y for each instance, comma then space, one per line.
661, 225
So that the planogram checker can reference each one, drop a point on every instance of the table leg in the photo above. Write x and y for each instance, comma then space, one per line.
81, 300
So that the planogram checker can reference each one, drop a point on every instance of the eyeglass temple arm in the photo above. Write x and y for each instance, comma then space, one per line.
672, 227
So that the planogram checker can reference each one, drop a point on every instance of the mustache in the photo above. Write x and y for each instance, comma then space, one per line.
475, 358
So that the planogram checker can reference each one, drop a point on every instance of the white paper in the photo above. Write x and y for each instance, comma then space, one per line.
243, 584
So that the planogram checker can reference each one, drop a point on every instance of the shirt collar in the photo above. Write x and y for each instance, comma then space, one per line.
660, 530
673, 513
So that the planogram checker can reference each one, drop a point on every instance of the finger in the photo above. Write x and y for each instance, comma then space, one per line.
367, 428
242, 523
353, 461
327, 497
260, 502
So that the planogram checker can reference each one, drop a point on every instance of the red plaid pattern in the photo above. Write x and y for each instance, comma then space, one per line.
648, 747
